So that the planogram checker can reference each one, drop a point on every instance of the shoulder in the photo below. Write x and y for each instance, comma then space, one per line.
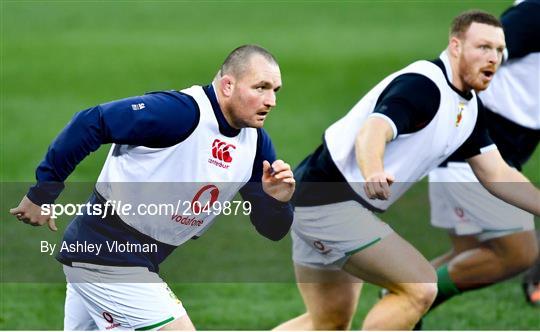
408, 81
156, 119
171, 100
433, 70
153, 101
418, 89
522, 28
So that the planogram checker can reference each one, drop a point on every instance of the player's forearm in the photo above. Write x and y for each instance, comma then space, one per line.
514, 188
164, 122
369, 150
79, 138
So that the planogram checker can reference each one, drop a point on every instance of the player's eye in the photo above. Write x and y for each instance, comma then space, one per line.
259, 89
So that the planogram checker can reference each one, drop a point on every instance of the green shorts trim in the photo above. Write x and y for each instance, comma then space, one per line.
352, 252
163, 322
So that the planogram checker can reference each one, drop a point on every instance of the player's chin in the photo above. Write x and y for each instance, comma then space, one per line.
257, 122
481, 85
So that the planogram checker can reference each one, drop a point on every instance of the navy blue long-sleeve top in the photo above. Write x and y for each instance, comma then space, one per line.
172, 119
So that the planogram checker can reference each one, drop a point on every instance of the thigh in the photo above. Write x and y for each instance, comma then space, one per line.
462, 204
503, 243
326, 236
132, 306
515, 245
461, 243
121, 305
180, 324
76, 315
328, 294
389, 262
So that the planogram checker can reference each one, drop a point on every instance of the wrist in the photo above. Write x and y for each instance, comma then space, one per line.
44, 192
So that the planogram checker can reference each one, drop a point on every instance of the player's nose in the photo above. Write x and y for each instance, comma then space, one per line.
270, 99
493, 56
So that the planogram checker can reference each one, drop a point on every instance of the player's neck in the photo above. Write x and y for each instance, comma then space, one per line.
456, 79
224, 107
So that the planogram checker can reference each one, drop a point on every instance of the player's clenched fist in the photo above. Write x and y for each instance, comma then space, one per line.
278, 180
377, 185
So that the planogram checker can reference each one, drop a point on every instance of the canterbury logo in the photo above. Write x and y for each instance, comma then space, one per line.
222, 150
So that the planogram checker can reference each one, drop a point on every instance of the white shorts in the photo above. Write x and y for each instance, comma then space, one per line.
95, 299
462, 205
325, 236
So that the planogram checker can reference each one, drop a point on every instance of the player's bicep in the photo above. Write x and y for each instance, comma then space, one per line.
377, 125
153, 120
408, 103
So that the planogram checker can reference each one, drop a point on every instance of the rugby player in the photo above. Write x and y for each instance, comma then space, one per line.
492, 240
404, 127
202, 144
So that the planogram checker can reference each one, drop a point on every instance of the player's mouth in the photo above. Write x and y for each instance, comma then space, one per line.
488, 74
262, 113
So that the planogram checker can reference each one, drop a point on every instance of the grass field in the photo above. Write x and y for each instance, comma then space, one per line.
58, 57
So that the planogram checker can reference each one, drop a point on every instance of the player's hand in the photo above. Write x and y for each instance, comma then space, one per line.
30, 213
278, 180
377, 185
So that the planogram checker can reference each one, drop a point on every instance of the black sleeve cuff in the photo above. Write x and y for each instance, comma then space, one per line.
45, 192
271, 218
275, 204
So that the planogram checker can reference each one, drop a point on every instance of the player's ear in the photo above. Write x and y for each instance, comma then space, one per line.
226, 85
454, 46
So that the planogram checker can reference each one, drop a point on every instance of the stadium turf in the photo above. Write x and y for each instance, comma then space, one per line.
60, 57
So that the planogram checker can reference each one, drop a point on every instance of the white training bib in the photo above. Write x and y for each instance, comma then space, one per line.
408, 157
207, 167
514, 92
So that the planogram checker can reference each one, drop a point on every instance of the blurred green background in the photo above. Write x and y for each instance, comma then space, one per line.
58, 57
